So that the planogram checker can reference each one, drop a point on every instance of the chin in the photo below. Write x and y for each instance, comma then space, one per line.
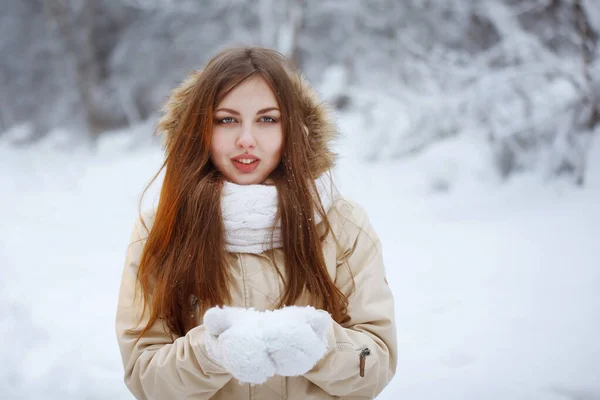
246, 179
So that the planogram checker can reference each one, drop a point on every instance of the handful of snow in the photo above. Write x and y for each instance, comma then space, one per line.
256, 345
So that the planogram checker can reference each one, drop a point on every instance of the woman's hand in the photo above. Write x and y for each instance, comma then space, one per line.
235, 340
296, 338
255, 345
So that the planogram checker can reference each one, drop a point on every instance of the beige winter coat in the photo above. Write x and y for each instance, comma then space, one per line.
158, 367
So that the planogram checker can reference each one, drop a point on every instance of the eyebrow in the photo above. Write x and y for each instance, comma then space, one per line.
262, 111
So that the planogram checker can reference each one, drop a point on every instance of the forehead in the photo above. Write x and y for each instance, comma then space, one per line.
254, 92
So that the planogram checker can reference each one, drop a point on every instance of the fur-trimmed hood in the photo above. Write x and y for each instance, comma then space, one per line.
318, 120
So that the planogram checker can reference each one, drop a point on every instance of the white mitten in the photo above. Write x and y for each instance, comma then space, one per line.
235, 340
296, 338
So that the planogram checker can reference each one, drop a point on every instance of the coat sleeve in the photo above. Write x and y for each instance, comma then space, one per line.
160, 366
371, 321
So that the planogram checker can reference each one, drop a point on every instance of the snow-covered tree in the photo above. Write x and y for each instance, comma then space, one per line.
520, 74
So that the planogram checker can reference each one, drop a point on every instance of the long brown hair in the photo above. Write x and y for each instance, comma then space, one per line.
184, 255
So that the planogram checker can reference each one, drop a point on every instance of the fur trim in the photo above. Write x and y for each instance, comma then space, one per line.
321, 129
317, 119
175, 107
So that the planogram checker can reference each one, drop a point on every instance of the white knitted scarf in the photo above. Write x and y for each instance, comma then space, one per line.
249, 214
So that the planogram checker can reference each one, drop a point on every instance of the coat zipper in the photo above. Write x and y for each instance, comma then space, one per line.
363, 360
362, 355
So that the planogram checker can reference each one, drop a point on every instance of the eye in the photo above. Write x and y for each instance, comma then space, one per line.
267, 119
226, 120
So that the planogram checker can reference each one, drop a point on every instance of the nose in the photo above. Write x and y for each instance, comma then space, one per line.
246, 139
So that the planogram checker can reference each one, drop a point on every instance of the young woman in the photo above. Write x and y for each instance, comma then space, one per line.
253, 278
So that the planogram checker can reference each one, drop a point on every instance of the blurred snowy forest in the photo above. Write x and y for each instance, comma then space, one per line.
468, 126
521, 75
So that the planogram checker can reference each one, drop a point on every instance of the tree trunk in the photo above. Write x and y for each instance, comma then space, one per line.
588, 44
289, 30
73, 20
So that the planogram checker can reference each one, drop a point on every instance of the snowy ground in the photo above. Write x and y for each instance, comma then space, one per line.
497, 288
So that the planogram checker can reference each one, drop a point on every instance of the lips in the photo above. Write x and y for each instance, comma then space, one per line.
245, 163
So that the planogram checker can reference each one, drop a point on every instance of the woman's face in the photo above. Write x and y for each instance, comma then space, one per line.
247, 136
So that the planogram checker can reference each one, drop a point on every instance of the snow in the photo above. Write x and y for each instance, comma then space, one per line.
497, 286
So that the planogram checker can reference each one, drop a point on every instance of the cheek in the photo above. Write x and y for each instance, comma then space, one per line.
217, 146
275, 149
277, 146
279, 149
